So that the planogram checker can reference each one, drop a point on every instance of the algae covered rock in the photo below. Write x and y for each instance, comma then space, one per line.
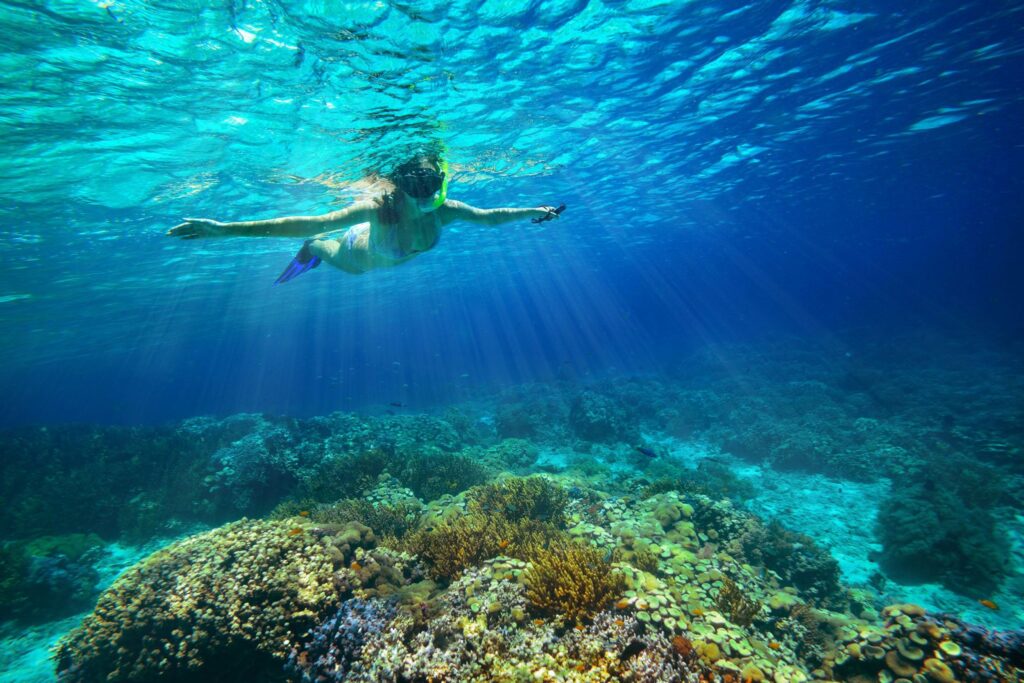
220, 606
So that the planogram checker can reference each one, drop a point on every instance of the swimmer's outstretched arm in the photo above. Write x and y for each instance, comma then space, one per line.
288, 226
455, 211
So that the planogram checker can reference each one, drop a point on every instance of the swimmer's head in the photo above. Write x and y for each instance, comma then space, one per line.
424, 180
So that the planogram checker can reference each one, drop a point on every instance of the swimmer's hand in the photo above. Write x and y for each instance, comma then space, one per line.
550, 213
196, 228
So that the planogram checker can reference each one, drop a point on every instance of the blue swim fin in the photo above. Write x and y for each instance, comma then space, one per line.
302, 262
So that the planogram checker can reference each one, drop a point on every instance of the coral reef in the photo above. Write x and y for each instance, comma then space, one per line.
333, 649
731, 601
385, 520
519, 498
397, 552
710, 478
795, 557
256, 469
431, 477
599, 417
538, 413
936, 532
479, 630
219, 606
912, 644
651, 589
80, 479
49, 577
513, 453
453, 546
571, 580
344, 475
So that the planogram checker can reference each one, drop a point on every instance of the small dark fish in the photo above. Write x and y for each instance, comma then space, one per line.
634, 648
644, 450
396, 404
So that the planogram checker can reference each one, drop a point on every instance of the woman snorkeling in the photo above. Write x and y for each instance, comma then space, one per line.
392, 228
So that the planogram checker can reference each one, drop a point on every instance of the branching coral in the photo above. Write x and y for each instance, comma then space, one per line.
572, 580
431, 476
522, 498
453, 546
731, 600
385, 520
346, 475
644, 559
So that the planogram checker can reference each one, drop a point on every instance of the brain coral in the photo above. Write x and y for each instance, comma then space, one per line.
217, 606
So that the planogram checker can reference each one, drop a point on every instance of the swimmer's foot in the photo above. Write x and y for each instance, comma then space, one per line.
302, 262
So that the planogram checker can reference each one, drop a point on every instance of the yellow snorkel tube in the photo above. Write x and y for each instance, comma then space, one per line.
442, 194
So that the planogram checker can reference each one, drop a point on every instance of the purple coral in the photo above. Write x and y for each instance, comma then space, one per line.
333, 648
985, 650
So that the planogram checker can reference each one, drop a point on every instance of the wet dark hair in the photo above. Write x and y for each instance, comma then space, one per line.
390, 203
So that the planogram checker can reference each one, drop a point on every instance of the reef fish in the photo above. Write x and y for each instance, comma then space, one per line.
644, 450
990, 604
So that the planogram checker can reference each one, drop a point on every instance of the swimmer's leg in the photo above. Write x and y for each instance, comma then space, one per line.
303, 261
346, 254
325, 250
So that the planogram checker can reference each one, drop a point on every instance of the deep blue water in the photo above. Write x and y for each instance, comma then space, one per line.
798, 220
733, 172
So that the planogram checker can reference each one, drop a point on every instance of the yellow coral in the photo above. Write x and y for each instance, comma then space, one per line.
453, 546
572, 580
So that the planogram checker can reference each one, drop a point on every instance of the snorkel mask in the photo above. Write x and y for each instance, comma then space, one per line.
427, 186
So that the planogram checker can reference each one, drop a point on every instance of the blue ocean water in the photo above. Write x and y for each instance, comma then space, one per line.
789, 190
731, 170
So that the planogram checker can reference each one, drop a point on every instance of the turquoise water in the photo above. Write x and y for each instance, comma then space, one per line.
790, 252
